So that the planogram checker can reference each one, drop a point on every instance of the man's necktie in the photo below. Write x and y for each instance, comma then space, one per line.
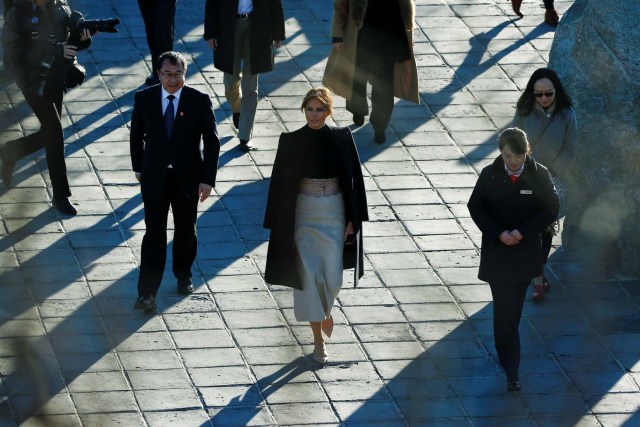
513, 178
169, 115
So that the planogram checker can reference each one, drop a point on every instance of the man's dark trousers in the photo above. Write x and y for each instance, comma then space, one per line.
159, 24
154, 243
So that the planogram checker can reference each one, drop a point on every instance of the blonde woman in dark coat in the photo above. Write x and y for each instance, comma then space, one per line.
315, 209
512, 203
372, 42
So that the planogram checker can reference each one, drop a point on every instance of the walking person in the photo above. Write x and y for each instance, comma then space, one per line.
315, 209
168, 123
512, 202
242, 35
545, 113
159, 26
39, 48
372, 42
550, 14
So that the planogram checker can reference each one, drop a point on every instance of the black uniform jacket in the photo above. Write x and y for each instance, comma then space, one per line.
497, 204
283, 193
30, 34
267, 25
152, 151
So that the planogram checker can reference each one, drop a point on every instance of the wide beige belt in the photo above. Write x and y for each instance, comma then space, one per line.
319, 187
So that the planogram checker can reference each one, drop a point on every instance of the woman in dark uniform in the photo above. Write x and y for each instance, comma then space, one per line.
512, 203
316, 205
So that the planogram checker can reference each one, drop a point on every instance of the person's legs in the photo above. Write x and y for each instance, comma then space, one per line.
154, 245
249, 83
357, 104
147, 11
550, 15
232, 81
319, 349
508, 300
50, 137
381, 92
164, 23
185, 240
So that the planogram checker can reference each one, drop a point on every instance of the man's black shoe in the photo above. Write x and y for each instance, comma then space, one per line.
8, 165
380, 137
63, 206
147, 303
152, 79
185, 286
236, 120
246, 144
358, 119
513, 384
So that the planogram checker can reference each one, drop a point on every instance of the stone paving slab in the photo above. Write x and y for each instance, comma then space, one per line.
413, 346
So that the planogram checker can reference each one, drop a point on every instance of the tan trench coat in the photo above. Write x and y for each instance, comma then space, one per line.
340, 70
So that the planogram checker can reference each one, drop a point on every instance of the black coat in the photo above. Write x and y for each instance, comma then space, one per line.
152, 150
31, 36
497, 204
267, 25
283, 193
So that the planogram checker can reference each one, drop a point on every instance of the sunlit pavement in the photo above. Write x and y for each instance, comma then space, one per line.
412, 346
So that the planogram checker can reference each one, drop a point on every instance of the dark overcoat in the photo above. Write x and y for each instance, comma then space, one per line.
152, 150
267, 25
528, 205
283, 193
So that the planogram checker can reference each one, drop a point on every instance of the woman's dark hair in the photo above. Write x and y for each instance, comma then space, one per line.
527, 100
516, 140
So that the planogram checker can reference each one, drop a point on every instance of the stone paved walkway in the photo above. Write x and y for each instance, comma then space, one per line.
412, 346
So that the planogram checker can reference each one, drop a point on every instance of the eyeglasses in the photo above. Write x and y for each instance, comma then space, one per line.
178, 75
547, 94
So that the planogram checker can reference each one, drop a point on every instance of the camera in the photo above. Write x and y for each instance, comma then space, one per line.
77, 23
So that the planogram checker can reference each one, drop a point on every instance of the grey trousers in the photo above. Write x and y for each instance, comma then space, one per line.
241, 87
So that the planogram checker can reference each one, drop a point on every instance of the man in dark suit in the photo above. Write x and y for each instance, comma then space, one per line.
242, 34
159, 24
168, 123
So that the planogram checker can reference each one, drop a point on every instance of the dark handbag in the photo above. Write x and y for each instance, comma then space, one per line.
351, 256
74, 75
562, 189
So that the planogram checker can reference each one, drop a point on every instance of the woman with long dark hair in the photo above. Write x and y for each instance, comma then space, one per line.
545, 112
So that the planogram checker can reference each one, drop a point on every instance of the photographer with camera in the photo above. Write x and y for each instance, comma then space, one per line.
41, 44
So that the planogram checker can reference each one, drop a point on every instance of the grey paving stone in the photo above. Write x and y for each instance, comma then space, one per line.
240, 416
179, 418
57, 405
104, 402
107, 419
351, 411
166, 399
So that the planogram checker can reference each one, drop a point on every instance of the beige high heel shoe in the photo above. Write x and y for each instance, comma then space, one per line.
320, 354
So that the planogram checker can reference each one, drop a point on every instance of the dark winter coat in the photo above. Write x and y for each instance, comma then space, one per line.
32, 35
497, 204
267, 25
283, 193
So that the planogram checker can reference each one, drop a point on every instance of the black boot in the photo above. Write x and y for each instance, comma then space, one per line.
8, 165
63, 206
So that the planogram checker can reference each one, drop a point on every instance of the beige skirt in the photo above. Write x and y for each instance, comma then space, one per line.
319, 239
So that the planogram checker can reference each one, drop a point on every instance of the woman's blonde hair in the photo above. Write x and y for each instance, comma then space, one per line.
322, 94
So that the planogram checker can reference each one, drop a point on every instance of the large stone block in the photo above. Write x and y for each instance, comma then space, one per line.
596, 52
